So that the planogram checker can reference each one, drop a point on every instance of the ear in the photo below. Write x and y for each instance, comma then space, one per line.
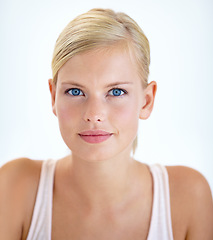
52, 88
149, 98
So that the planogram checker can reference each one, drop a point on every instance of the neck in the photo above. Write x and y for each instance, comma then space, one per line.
103, 184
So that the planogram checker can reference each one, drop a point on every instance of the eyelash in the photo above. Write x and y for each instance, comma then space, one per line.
120, 89
67, 92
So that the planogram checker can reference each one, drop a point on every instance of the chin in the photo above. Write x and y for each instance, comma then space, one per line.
99, 152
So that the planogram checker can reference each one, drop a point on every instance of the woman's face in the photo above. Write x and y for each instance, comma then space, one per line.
98, 100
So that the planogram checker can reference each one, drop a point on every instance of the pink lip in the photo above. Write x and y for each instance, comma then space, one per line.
95, 136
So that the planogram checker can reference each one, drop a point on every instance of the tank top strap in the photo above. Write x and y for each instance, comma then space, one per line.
161, 223
42, 214
160, 226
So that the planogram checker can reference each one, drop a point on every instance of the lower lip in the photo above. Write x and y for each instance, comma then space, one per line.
95, 138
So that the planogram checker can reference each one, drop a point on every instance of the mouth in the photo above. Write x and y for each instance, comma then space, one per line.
95, 136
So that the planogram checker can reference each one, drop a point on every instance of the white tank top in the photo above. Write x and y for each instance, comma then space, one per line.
160, 226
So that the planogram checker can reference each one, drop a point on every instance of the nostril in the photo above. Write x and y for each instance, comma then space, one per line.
98, 120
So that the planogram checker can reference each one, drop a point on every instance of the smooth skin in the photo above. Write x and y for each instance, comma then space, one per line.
100, 191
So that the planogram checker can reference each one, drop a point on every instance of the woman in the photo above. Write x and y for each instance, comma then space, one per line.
99, 91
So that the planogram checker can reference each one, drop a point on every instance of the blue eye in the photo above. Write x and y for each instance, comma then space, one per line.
117, 92
74, 92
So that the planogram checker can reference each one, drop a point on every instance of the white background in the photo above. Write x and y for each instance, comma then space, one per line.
180, 129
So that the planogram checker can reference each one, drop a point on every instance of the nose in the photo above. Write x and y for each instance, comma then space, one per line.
95, 111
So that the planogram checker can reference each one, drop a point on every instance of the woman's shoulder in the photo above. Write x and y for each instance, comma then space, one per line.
188, 179
191, 202
18, 172
188, 183
19, 181
20, 165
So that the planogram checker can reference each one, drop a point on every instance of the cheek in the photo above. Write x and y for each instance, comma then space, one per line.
127, 113
66, 112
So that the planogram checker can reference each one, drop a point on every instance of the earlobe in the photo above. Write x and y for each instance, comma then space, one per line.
52, 89
149, 98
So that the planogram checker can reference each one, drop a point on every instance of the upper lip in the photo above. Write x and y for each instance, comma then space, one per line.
94, 133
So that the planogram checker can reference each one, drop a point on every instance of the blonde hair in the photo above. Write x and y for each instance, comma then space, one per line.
102, 28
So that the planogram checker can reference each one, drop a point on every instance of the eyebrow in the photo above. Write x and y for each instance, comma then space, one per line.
72, 83
118, 83
109, 85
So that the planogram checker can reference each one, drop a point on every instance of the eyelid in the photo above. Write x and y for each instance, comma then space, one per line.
123, 90
82, 93
67, 92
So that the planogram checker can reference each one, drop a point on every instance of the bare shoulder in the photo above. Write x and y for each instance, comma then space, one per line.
188, 179
19, 172
20, 166
18, 186
191, 203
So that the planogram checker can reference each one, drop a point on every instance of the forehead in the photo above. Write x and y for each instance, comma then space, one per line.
102, 64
